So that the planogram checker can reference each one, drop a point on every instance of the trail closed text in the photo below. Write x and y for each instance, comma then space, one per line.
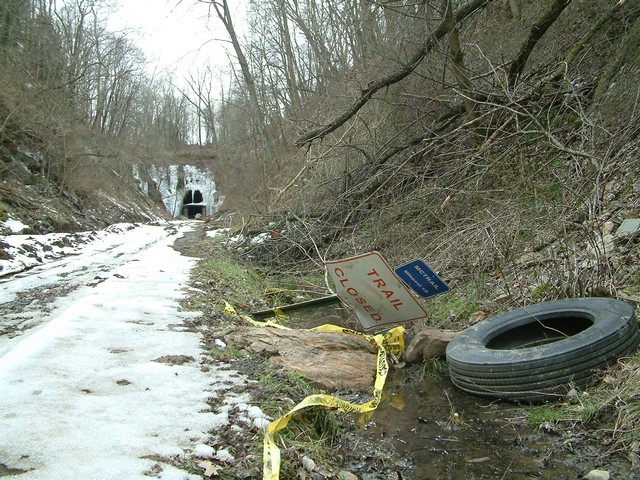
369, 286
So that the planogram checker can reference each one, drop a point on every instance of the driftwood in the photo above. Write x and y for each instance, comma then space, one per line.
330, 360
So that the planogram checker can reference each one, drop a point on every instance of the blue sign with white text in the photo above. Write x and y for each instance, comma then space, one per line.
421, 279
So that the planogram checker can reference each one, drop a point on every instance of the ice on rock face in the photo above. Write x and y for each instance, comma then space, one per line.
178, 185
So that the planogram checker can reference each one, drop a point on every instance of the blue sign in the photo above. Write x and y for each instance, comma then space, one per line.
421, 279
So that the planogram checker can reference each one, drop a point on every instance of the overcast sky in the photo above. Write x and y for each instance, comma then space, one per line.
176, 35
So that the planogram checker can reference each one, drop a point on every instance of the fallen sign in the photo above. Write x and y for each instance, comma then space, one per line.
418, 276
369, 286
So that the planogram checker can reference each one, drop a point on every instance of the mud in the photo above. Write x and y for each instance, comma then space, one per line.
442, 433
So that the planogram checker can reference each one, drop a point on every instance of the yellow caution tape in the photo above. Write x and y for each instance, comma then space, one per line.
392, 341
228, 309
280, 316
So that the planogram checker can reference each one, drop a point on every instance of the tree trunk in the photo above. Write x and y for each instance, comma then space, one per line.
222, 10
457, 62
290, 61
628, 50
325, 67
537, 31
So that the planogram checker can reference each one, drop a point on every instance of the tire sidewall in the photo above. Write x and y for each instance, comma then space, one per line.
610, 318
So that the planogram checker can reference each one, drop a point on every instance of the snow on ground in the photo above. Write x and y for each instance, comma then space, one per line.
27, 251
14, 226
102, 378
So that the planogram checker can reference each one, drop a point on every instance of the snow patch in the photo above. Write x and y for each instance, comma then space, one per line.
218, 232
204, 451
14, 226
27, 251
82, 395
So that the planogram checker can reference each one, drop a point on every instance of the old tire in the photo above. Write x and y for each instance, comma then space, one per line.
540, 351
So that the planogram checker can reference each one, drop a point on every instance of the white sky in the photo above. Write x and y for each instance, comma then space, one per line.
177, 35
82, 393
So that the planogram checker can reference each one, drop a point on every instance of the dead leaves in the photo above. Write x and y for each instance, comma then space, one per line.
210, 469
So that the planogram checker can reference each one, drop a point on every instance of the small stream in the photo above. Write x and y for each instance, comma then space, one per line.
425, 428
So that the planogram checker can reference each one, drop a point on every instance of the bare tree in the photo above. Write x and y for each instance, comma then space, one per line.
221, 7
394, 77
13, 15
538, 29
322, 60
201, 87
288, 54
457, 61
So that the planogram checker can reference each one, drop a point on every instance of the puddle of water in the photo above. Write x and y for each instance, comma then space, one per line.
435, 431
314, 317
444, 433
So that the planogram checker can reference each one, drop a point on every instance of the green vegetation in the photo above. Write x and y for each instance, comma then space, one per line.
220, 277
455, 419
241, 282
457, 306
312, 432
542, 291
4, 211
452, 307
585, 409
433, 369
612, 407
245, 286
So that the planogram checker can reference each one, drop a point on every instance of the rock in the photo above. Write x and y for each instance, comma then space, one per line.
174, 359
344, 475
597, 475
628, 227
573, 396
308, 464
331, 360
428, 343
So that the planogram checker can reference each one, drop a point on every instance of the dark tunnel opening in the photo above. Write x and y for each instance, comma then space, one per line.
190, 211
190, 201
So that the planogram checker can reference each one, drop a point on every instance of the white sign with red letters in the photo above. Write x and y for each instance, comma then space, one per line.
369, 286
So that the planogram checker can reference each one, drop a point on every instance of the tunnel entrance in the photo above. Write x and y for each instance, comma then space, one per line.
192, 197
193, 204
190, 211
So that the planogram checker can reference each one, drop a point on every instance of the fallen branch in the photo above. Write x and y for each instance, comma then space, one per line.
401, 73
